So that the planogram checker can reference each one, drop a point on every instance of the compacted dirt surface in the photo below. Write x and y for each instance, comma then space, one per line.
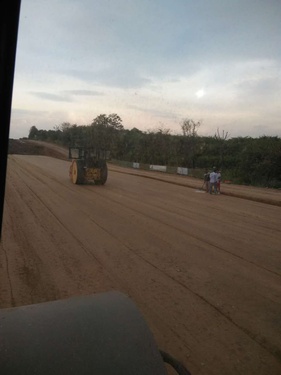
204, 270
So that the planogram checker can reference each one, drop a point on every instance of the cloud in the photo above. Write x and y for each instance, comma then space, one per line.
51, 97
154, 112
64, 96
17, 112
88, 57
83, 92
125, 43
114, 75
261, 87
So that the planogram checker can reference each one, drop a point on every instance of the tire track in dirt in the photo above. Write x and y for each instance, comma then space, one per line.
194, 186
69, 264
190, 234
136, 292
265, 345
111, 271
31, 272
276, 352
8, 275
185, 231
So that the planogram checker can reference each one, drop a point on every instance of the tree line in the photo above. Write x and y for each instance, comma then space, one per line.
244, 160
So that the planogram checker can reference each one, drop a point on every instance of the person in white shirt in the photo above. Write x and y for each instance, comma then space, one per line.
213, 181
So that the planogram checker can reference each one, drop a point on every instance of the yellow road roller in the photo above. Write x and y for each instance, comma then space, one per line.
88, 165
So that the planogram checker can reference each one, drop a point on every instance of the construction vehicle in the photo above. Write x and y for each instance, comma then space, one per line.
88, 165
101, 334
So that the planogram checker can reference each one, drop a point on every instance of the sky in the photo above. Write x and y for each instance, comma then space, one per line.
154, 63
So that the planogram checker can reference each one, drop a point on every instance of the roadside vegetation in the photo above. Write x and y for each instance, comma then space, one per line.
243, 160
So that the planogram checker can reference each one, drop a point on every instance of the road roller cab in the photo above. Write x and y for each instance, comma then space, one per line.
88, 165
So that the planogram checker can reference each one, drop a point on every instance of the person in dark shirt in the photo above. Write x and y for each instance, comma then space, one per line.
207, 180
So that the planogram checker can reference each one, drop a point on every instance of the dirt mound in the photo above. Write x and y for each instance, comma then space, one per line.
28, 147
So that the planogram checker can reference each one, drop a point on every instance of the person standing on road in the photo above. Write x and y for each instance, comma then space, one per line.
207, 180
213, 181
219, 182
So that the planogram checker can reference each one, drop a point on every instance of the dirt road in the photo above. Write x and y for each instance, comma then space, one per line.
204, 270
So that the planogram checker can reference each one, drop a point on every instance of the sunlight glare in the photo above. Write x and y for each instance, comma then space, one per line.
200, 93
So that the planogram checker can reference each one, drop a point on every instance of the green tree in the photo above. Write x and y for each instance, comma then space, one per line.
260, 162
33, 132
221, 137
190, 141
104, 132
190, 127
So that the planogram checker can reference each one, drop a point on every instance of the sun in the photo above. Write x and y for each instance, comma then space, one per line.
200, 93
